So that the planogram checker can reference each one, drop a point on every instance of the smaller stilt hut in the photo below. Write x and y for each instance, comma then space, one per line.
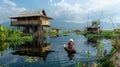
93, 29
55, 29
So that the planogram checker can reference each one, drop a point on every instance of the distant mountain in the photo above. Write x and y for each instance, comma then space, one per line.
73, 26
81, 26
6, 24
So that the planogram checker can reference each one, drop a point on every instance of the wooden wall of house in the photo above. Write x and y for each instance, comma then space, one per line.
30, 21
93, 30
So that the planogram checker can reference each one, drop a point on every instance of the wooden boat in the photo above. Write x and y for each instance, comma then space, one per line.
68, 50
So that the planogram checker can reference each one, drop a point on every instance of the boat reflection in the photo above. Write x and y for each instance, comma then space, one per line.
70, 55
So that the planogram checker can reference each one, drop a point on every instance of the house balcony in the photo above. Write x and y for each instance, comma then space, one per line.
26, 23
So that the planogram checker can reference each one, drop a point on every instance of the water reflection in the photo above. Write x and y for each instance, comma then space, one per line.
55, 36
93, 42
35, 48
70, 55
34, 53
3, 47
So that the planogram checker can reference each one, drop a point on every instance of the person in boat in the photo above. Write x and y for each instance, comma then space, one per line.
70, 47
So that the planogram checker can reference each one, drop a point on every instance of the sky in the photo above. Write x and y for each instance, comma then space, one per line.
71, 11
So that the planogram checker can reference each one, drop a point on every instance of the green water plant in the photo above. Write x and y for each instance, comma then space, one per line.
65, 33
100, 50
87, 55
31, 59
96, 22
103, 34
12, 35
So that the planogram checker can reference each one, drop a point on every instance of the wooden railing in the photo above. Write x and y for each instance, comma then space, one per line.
17, 23
22, 23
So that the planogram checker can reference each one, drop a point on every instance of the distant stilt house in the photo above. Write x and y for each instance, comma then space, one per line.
77, 31
55, 29
93, 29
31, 21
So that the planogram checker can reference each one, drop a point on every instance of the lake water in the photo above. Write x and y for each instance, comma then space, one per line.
58, 58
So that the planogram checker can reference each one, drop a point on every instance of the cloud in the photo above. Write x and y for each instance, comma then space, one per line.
64, 6
77, 11
9, 8
18, 9
102, 5
9, 2
70, 12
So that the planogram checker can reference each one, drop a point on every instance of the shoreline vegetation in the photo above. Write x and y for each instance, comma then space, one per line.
12, 35
103, 34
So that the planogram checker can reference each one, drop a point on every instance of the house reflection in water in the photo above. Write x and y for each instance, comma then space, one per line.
33, 49
93, 42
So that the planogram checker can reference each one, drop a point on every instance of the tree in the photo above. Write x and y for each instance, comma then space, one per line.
96, 22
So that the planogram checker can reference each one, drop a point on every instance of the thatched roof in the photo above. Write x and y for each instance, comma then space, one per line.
40, 13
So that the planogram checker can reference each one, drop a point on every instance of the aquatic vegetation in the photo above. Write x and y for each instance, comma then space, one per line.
11, 35
80, 64
31, 59
65, 33
80, 33
8, 32
116, 44
103, 34
88, 55
108, 34
3, 47
103, 61
106, 60
100, 51
18, 40
51, 33
3, 33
